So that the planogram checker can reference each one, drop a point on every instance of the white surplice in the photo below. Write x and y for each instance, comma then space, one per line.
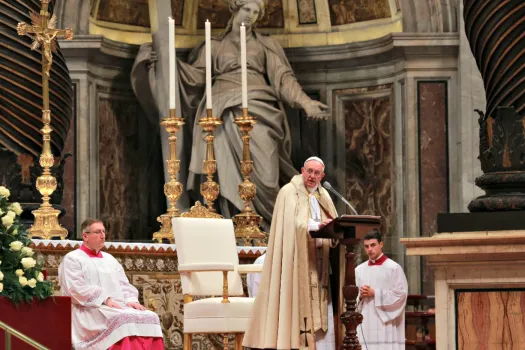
383, 324
89, 282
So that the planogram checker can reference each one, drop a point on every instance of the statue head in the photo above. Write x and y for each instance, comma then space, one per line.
245, 11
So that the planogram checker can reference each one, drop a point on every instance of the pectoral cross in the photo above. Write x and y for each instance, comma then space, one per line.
44, 33
305, 332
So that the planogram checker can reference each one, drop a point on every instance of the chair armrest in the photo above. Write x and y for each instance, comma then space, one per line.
250, 268
204, 267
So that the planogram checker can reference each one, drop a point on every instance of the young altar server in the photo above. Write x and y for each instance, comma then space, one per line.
106, 313
382, 298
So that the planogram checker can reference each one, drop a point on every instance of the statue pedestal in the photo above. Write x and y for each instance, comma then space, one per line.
479, 287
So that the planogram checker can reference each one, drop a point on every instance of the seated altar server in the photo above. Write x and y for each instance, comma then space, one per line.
106, 313
382, 298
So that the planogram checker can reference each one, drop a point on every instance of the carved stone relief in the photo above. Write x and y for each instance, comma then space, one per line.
351, 11
307, 13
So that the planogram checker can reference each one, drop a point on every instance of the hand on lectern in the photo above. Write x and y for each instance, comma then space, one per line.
324, 223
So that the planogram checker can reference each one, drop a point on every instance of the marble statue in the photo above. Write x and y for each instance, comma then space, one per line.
271, 84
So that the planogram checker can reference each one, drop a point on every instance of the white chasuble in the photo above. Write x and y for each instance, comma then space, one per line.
89, 282
291, 306
383, 326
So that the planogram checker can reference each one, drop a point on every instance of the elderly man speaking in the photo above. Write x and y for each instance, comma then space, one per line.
293, 307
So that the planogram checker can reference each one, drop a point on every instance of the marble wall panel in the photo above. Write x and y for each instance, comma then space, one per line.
177, 10
433, 163
130, 169
369, 144
131, 12
307, 12
352, 11
487, 320
218, 13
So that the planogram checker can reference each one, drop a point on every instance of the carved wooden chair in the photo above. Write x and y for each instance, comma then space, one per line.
209, 266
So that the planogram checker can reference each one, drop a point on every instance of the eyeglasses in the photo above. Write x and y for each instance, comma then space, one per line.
316, 173
98, 232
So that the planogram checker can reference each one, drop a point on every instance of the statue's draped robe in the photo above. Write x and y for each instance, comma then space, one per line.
292, 301
270, 82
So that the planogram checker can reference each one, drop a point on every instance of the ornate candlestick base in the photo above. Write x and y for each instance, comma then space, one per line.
247, 222
46, 224
247, 228
173, 188
210, 189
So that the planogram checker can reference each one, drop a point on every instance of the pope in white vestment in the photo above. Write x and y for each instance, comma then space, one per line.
382, 298
293, 307
106, 313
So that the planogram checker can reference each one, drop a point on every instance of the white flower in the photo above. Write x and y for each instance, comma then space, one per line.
1, 275
16, 207
40, 277
7, 220
11, 214
16, 245
4, 192
32, 283
19, 272
22, 280
28, 263
27, 251
1, 287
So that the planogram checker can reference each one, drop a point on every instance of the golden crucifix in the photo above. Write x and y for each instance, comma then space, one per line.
44, 34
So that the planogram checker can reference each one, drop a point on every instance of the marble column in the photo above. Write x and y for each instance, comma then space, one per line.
77, 53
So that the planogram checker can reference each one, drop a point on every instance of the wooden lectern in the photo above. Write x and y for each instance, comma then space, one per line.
349, 230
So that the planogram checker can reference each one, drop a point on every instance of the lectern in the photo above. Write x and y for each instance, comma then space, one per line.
349, 230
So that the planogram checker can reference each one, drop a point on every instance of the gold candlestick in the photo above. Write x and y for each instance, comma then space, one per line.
44, 35
210, 189
172, 188
248, 221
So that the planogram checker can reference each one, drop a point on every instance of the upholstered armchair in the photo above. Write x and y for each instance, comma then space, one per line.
209, 267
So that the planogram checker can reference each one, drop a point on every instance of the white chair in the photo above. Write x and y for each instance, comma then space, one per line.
207, 251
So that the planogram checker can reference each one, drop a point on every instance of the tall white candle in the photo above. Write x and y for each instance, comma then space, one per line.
171, 46
207, 27
244, 76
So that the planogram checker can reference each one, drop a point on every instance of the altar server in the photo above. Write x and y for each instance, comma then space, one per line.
106, 312
382, 298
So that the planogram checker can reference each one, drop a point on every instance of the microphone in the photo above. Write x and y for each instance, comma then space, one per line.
329, 187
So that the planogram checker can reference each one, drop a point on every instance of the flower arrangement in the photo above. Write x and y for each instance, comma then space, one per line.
21, 277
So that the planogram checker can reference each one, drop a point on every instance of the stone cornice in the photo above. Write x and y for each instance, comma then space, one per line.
468, 246
421, 44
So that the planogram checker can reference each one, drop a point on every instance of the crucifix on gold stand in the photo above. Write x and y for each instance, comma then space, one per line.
44, 34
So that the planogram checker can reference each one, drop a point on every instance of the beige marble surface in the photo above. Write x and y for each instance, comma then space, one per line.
468, 260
